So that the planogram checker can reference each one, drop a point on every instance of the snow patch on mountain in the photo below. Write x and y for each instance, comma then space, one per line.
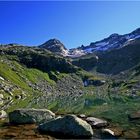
129, 36
102, 43
89, 50
133, 38
114, 41
75, 53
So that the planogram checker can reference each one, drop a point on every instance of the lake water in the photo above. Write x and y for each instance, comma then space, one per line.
27, 131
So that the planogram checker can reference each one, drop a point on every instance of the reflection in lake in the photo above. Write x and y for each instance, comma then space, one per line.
27, 131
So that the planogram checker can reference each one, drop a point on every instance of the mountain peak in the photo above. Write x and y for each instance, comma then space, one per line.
114, 35
137, 31
55, 46
54, 40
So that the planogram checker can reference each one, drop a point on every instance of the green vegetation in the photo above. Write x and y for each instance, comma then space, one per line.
9, 74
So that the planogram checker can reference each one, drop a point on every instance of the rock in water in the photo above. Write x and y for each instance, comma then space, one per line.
69, 125
96, 122
29, 116
116, 132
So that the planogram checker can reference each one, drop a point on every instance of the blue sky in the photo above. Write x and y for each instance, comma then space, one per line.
73, 23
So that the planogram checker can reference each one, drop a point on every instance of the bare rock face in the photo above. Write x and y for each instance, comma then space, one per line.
69, 125
29, 116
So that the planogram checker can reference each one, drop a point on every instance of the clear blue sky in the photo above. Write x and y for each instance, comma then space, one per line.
74, 23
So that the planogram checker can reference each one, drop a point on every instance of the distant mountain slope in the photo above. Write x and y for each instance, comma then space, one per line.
114, 61
114, 41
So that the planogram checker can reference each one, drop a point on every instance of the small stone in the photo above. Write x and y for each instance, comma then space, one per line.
3, 114
1, 78
96, 122
108, 131
113, 131
82, 116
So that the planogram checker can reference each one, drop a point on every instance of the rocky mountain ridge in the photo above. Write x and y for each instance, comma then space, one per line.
114, 41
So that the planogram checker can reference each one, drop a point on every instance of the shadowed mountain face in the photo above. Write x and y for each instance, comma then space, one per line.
114, 61
119, 60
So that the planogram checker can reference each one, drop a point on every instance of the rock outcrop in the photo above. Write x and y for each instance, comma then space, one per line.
29, 116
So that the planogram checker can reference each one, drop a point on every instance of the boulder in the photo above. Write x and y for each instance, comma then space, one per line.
3, 114
29, 116
69, 125
96, 122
